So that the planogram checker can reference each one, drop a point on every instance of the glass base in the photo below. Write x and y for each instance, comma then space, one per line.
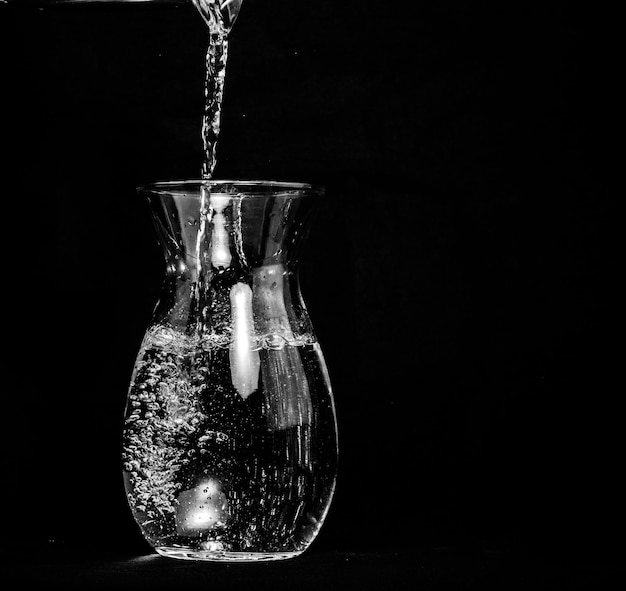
223, 555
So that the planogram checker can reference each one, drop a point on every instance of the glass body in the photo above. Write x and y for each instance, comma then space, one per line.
230, 441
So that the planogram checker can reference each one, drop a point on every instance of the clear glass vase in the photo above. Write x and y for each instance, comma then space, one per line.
230, 441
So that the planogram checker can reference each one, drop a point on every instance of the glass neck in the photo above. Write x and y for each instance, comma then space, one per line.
215, 232
233, 253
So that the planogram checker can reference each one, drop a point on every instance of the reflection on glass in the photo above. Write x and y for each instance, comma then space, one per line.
201, 509
288, 396
244, 358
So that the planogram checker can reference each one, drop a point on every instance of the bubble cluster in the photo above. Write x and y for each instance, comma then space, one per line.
168, 339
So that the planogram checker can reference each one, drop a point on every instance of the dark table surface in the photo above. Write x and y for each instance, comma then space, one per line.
423, 567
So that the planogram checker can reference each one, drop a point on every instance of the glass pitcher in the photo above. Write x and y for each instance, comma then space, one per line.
230, 441
221, 11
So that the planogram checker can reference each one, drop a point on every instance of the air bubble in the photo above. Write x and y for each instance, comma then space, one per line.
274, 342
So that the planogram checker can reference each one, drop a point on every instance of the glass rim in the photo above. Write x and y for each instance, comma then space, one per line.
247, 185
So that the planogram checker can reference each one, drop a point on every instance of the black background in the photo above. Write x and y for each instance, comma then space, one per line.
458, 275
